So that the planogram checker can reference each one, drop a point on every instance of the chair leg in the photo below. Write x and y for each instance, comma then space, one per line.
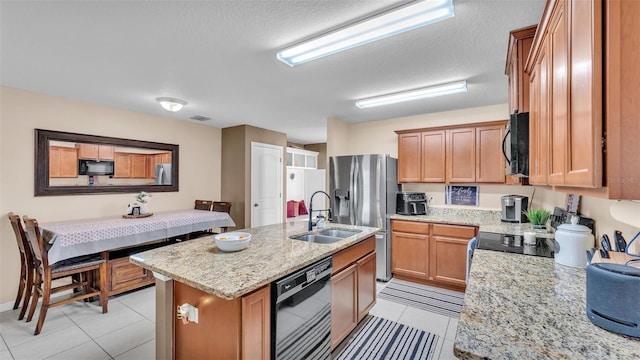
21, 284
37, 288
104, 294
46, 297
27, 295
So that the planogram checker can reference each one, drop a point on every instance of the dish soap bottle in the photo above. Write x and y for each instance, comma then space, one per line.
320, 222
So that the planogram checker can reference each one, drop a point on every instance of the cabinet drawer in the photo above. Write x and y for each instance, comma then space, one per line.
352, 254
465, 232
410, 226
125, 275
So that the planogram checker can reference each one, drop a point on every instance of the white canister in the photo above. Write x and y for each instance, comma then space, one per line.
572, 241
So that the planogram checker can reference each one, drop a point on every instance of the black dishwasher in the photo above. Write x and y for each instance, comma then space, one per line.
301, 314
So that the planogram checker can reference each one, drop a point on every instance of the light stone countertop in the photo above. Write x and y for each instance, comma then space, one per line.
270, 255
528, 307
486, 220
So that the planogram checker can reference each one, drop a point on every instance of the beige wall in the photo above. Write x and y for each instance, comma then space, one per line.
22, 112
379, 137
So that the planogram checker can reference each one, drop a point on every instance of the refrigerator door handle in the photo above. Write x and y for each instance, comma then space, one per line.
355, 210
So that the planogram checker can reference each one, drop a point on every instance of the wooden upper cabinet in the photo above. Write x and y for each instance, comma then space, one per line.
409, 157
461, 151
122, 165
434, 156
539, 120
489, 159
63, 162
584, 128
138, 166
520, 42
95, 151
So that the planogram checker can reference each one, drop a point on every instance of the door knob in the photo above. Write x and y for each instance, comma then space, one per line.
255, 205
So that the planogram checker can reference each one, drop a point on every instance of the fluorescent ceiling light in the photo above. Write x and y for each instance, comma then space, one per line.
171, 104
422, 93
379, 27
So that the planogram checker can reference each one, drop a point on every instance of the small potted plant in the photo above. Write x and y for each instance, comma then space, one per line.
143, 199
538, 218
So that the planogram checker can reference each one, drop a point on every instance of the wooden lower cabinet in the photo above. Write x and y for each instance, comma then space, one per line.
125, 276
429, 253
226, 329
353, 288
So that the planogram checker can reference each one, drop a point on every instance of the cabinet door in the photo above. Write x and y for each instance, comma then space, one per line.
344, 302
584, 150
105, 152
558, 43
88, 151
433, 156
151, 166
138, 166
539, 119
489, 158
124, 275
122, 165
366, 284
54, 162
410, 254
449, 253
409, 156
461, 151
63, 162
256, 324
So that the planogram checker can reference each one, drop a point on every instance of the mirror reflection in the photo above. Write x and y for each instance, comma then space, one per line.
83, 164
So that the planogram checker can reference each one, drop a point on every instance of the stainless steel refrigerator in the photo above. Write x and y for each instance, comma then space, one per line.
363, 192
163, 174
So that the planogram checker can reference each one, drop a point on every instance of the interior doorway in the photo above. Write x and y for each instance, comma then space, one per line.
266, 184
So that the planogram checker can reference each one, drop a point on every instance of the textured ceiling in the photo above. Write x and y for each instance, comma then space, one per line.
220, 56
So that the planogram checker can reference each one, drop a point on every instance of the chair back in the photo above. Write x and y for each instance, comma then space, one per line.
36, 242
21, 236
203, 205
222, 206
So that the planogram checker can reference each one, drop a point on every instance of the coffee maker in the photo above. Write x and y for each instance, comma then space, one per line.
514, 208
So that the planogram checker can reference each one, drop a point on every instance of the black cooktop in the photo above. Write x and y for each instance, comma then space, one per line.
514, 244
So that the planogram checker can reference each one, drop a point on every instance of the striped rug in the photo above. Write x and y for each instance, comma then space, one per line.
385, 339
429, 298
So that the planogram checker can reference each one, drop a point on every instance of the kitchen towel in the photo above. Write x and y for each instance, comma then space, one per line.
380, 338
429, 298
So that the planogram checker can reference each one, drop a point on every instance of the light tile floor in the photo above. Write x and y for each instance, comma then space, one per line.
80, 331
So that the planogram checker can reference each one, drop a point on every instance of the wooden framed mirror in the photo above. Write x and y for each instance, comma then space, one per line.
70, 164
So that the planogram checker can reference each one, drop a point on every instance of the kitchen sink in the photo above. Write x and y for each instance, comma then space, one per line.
338, 233
328, 236
317, 238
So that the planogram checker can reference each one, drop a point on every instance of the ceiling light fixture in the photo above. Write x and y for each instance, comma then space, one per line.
171, 104
416, 94
387, 24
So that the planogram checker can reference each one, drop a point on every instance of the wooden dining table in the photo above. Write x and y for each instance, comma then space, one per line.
72, 238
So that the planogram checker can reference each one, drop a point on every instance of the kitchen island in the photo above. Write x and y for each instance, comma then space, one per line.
528, 307
231, 278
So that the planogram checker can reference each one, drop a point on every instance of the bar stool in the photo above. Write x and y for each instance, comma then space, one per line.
26, 266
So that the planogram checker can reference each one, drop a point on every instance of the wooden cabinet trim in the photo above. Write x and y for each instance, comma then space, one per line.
449, 127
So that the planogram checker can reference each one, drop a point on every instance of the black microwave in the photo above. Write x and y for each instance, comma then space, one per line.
93, 167
515, 145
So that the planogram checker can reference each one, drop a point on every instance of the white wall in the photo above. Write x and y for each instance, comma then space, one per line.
21, 112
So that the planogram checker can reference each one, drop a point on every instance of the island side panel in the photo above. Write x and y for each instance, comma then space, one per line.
217, 335
164, 317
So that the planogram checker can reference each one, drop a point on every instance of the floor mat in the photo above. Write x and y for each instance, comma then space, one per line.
385, 339
440, 301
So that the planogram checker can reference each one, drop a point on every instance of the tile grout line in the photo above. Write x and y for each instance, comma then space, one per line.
90, 337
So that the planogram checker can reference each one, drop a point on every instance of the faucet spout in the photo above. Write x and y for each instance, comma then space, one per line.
328, 210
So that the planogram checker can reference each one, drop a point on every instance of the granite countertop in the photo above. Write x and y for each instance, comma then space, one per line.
270, 255
527, 307
486, 220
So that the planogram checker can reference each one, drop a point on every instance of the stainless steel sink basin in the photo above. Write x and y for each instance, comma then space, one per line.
338, 233
317, 238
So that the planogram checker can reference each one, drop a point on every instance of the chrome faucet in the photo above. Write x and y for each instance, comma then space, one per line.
311, 223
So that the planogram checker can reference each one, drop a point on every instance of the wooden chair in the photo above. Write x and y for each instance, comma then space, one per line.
203, 205
45, 273
222, 206
26, 266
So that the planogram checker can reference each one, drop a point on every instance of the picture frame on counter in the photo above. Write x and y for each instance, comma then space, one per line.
462, 195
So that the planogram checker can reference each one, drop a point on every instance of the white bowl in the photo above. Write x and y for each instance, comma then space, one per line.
232, 241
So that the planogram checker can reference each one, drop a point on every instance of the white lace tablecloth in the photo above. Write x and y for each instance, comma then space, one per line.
73, 238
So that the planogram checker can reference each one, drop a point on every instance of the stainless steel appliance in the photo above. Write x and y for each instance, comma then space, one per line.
515, 145
514, 208
94, 167
411, 203
163, 174
363, 192
301, 314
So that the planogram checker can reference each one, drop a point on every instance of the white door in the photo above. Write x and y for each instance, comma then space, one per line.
266, 184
